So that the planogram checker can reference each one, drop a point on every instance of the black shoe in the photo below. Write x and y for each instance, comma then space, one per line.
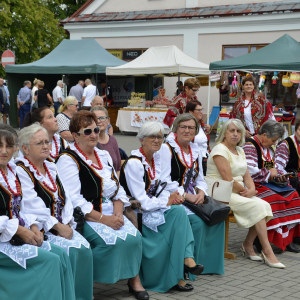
296, 240
142, 295
257, 245
187, 288
197, 270
292, 248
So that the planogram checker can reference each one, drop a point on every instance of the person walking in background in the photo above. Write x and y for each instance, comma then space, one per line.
89, 92
34, 89
77, 91
58, 96
5, 104
24, 101
42, 96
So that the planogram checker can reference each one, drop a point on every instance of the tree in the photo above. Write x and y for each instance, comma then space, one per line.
28, 28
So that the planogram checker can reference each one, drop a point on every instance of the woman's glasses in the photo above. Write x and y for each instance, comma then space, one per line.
154, 137
183, 127
195, 90
77, 105
88, 131
200, 109
102, 118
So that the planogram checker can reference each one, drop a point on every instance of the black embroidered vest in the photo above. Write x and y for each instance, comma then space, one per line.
261, 163
91, 182
178, 167
61, 150
293, 162
45, 194
123, 181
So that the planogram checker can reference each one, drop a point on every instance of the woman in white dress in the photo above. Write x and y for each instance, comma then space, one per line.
45, 117
227, 161
93, 184
29, 266
48, 201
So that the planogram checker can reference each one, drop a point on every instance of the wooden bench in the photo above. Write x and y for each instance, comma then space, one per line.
230, 219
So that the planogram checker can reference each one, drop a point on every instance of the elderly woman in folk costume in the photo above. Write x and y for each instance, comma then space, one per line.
29, 265
168, 249
93, 185
45, 198
285, 225
45, 117
252, 108
190, 90
179, 157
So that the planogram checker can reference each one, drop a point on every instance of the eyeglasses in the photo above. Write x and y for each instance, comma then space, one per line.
200, 109
195, 90
77, 105
41, 143
183, 127
88, 131
102, 118
154, 137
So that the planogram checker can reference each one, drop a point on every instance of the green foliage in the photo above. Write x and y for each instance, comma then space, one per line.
29, 28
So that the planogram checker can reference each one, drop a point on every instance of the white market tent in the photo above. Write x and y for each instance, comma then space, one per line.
162, 61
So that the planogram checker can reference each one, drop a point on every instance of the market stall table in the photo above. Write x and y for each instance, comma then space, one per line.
131, 119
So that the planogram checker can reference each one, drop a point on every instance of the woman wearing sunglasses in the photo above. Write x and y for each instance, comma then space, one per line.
93, 184
45, 117
66, 112
106, 141
168, 242
180, 156
48, 202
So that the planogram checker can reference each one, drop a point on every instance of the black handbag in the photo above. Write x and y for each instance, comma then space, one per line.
210, 211
294, 180
79, 219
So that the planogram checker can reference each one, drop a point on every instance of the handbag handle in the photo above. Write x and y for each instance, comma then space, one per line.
212, 190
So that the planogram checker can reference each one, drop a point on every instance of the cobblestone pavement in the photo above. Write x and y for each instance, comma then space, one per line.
243, 279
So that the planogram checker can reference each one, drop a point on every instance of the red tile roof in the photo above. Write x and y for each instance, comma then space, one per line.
186, 13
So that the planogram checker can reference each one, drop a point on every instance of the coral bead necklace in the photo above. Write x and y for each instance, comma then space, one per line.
152, 176
56, 149
17, 193
97, 157
190, 151
54, 187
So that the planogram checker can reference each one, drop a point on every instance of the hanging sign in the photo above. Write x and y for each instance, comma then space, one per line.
131, 54
116, 53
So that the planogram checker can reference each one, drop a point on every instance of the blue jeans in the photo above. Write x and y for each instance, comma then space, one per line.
24, 109
56, 107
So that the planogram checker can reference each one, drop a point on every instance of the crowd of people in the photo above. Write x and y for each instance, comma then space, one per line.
64, 197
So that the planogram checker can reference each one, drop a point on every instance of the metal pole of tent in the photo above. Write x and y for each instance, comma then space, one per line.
208, 100
178, 81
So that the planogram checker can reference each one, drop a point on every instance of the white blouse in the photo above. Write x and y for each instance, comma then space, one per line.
166, 156
69, 175
134, 173
8, 227
201, 141
32, 204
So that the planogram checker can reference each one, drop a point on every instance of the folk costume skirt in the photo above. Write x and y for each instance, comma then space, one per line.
47, 276
209, 245
285, 224
114, 262
164, 251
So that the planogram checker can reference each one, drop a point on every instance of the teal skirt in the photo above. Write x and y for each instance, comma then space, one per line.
209, 245
48, 276
164, 251
114, 262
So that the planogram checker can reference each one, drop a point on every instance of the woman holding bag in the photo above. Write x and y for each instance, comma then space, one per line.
178, 156
227, 162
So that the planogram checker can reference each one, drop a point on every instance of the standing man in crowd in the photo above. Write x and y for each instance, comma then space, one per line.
106, 93
58, 96
89, 92
24, 101
97, 101
77, 91
5, 105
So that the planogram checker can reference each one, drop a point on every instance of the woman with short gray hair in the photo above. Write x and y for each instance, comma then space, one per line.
260, 156
162, 237
227, 162
182, 170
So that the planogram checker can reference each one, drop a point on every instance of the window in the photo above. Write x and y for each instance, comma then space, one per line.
238, 50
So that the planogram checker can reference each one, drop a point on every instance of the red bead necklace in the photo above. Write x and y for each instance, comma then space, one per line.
8, 185
97, 157
190, 151
56, 149
152, 176
52, 189
266, 157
